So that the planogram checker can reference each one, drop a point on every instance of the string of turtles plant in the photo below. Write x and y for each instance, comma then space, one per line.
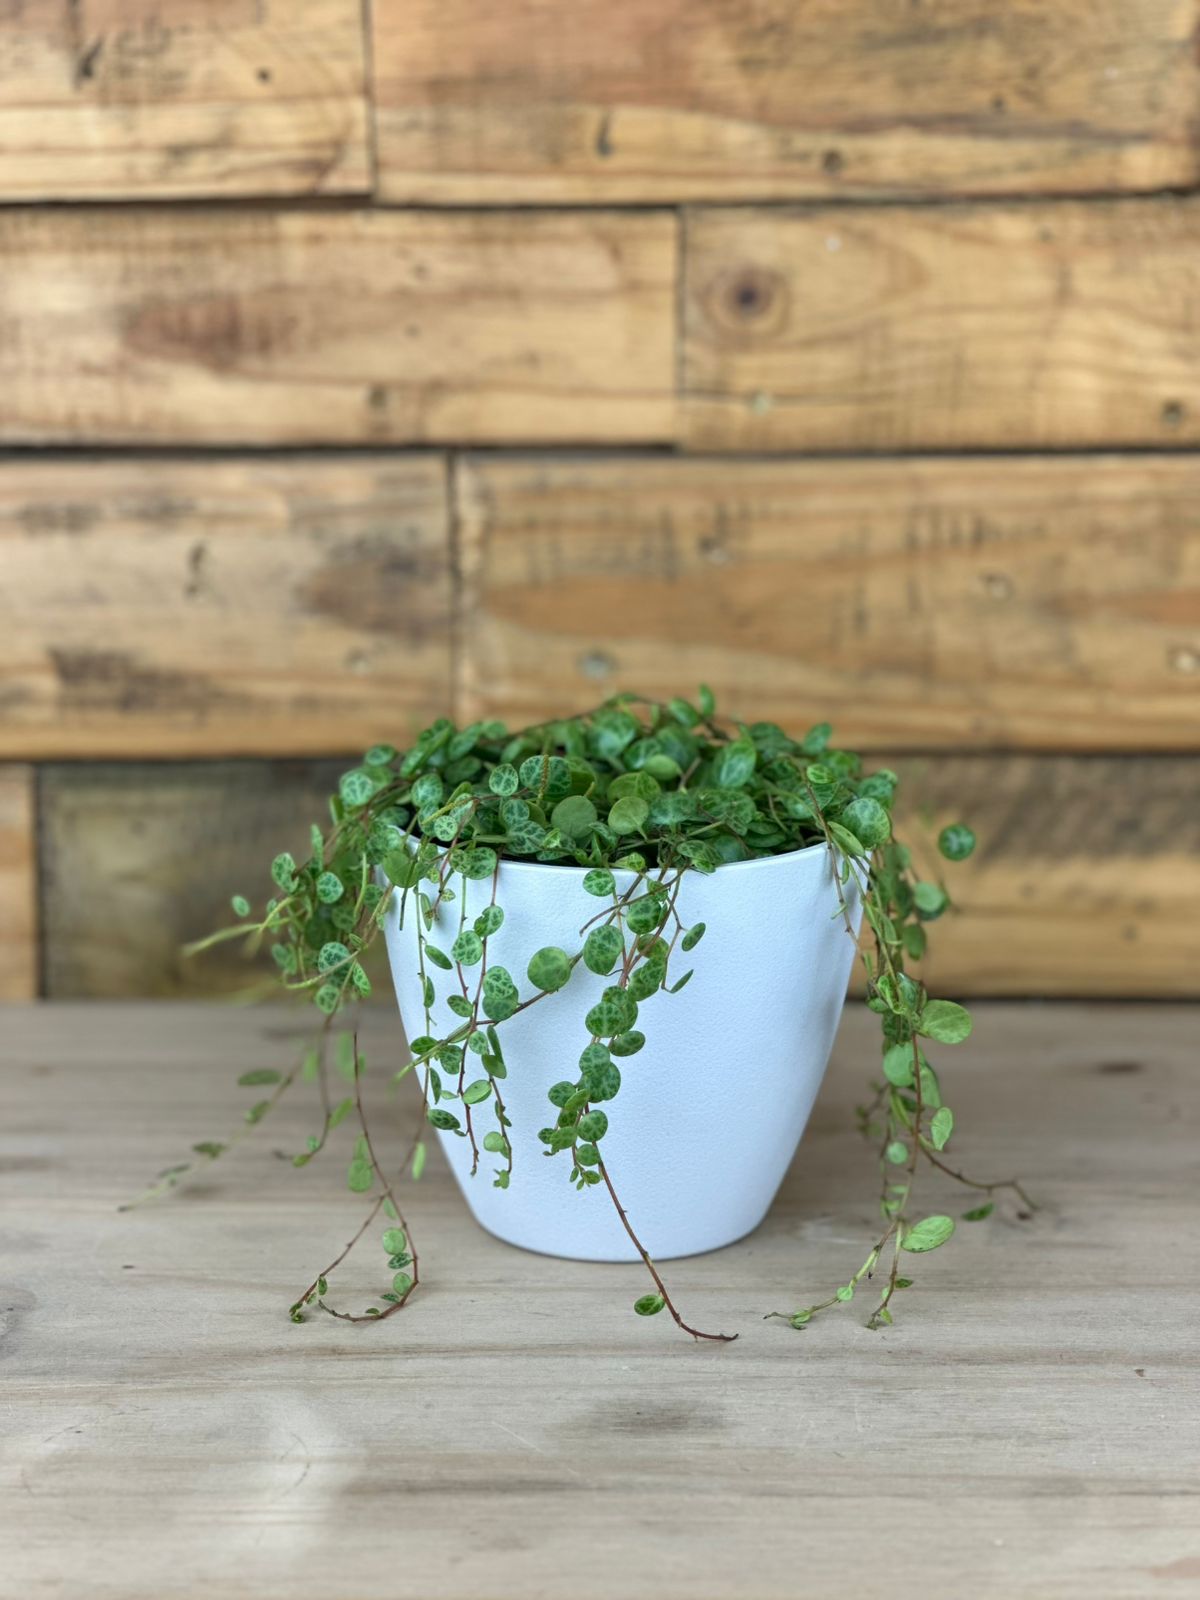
635, 786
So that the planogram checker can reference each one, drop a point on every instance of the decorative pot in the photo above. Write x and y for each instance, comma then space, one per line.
711, 1110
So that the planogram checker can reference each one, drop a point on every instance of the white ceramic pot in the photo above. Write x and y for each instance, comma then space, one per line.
712, 1108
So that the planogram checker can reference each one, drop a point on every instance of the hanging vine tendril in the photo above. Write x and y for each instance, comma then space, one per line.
653, 789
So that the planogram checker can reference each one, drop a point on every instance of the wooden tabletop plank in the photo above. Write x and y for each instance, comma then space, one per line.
260, 326
926, 602
171, 99
641, 100
1058, 324
160, 607
1034, 1413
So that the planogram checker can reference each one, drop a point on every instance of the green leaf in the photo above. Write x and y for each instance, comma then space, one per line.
467, 948
496, 1143
599, 882
692, 937
593, 1125
241, 906
395, 1240
945, 1021
897, 1153
646, 979
402, 1283
978, 1213
649, 1305
446, 1120
956, 842
418, 1161
283, 870
930, 900
357, 787
439, 958
327, 998
645, 914
941, 1127
928, 1234
627, 1044
500, 998
489, 921
477, 1091
898, 1065
575, 817
614, 1012
503, 780
259, 1076
846, 1292
868, 821
360, 1175
733, 765
603, 948
549, 968
330, 888
706, 700
849, 842
601, 1078
628, 815
332, 955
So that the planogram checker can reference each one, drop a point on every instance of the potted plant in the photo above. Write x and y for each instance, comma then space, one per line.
545, 896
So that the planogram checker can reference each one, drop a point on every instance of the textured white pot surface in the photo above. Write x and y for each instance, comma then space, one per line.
712, 1108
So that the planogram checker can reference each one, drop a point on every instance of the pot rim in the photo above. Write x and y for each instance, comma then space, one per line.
507, 863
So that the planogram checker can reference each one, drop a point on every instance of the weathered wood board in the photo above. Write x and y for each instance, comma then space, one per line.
1085, 882
138, 861
741, 99
1050, 324
18, 885
1036, 1398
157, 99
928, 603
266, 326
297, 605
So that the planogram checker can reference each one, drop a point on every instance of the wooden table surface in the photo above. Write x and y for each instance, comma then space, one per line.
1029, 1428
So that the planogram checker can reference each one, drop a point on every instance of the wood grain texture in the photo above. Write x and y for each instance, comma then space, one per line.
895, 328
1040, 1374
766, 99
927, 603
138, 861
153, 99
158, 607
1085, 882
18, 885
241, 326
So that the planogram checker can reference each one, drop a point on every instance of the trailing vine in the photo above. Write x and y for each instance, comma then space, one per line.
655, 790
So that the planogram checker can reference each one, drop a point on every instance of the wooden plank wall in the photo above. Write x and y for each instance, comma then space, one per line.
361, 363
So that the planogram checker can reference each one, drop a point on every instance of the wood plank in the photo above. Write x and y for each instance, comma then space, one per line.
1085, 882
926, 603
18, 885
241, 326
740, 99
158, 607
1049, 324
137, 861
1058, 1466
153, 99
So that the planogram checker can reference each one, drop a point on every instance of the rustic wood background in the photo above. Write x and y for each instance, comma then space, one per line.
357, 364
